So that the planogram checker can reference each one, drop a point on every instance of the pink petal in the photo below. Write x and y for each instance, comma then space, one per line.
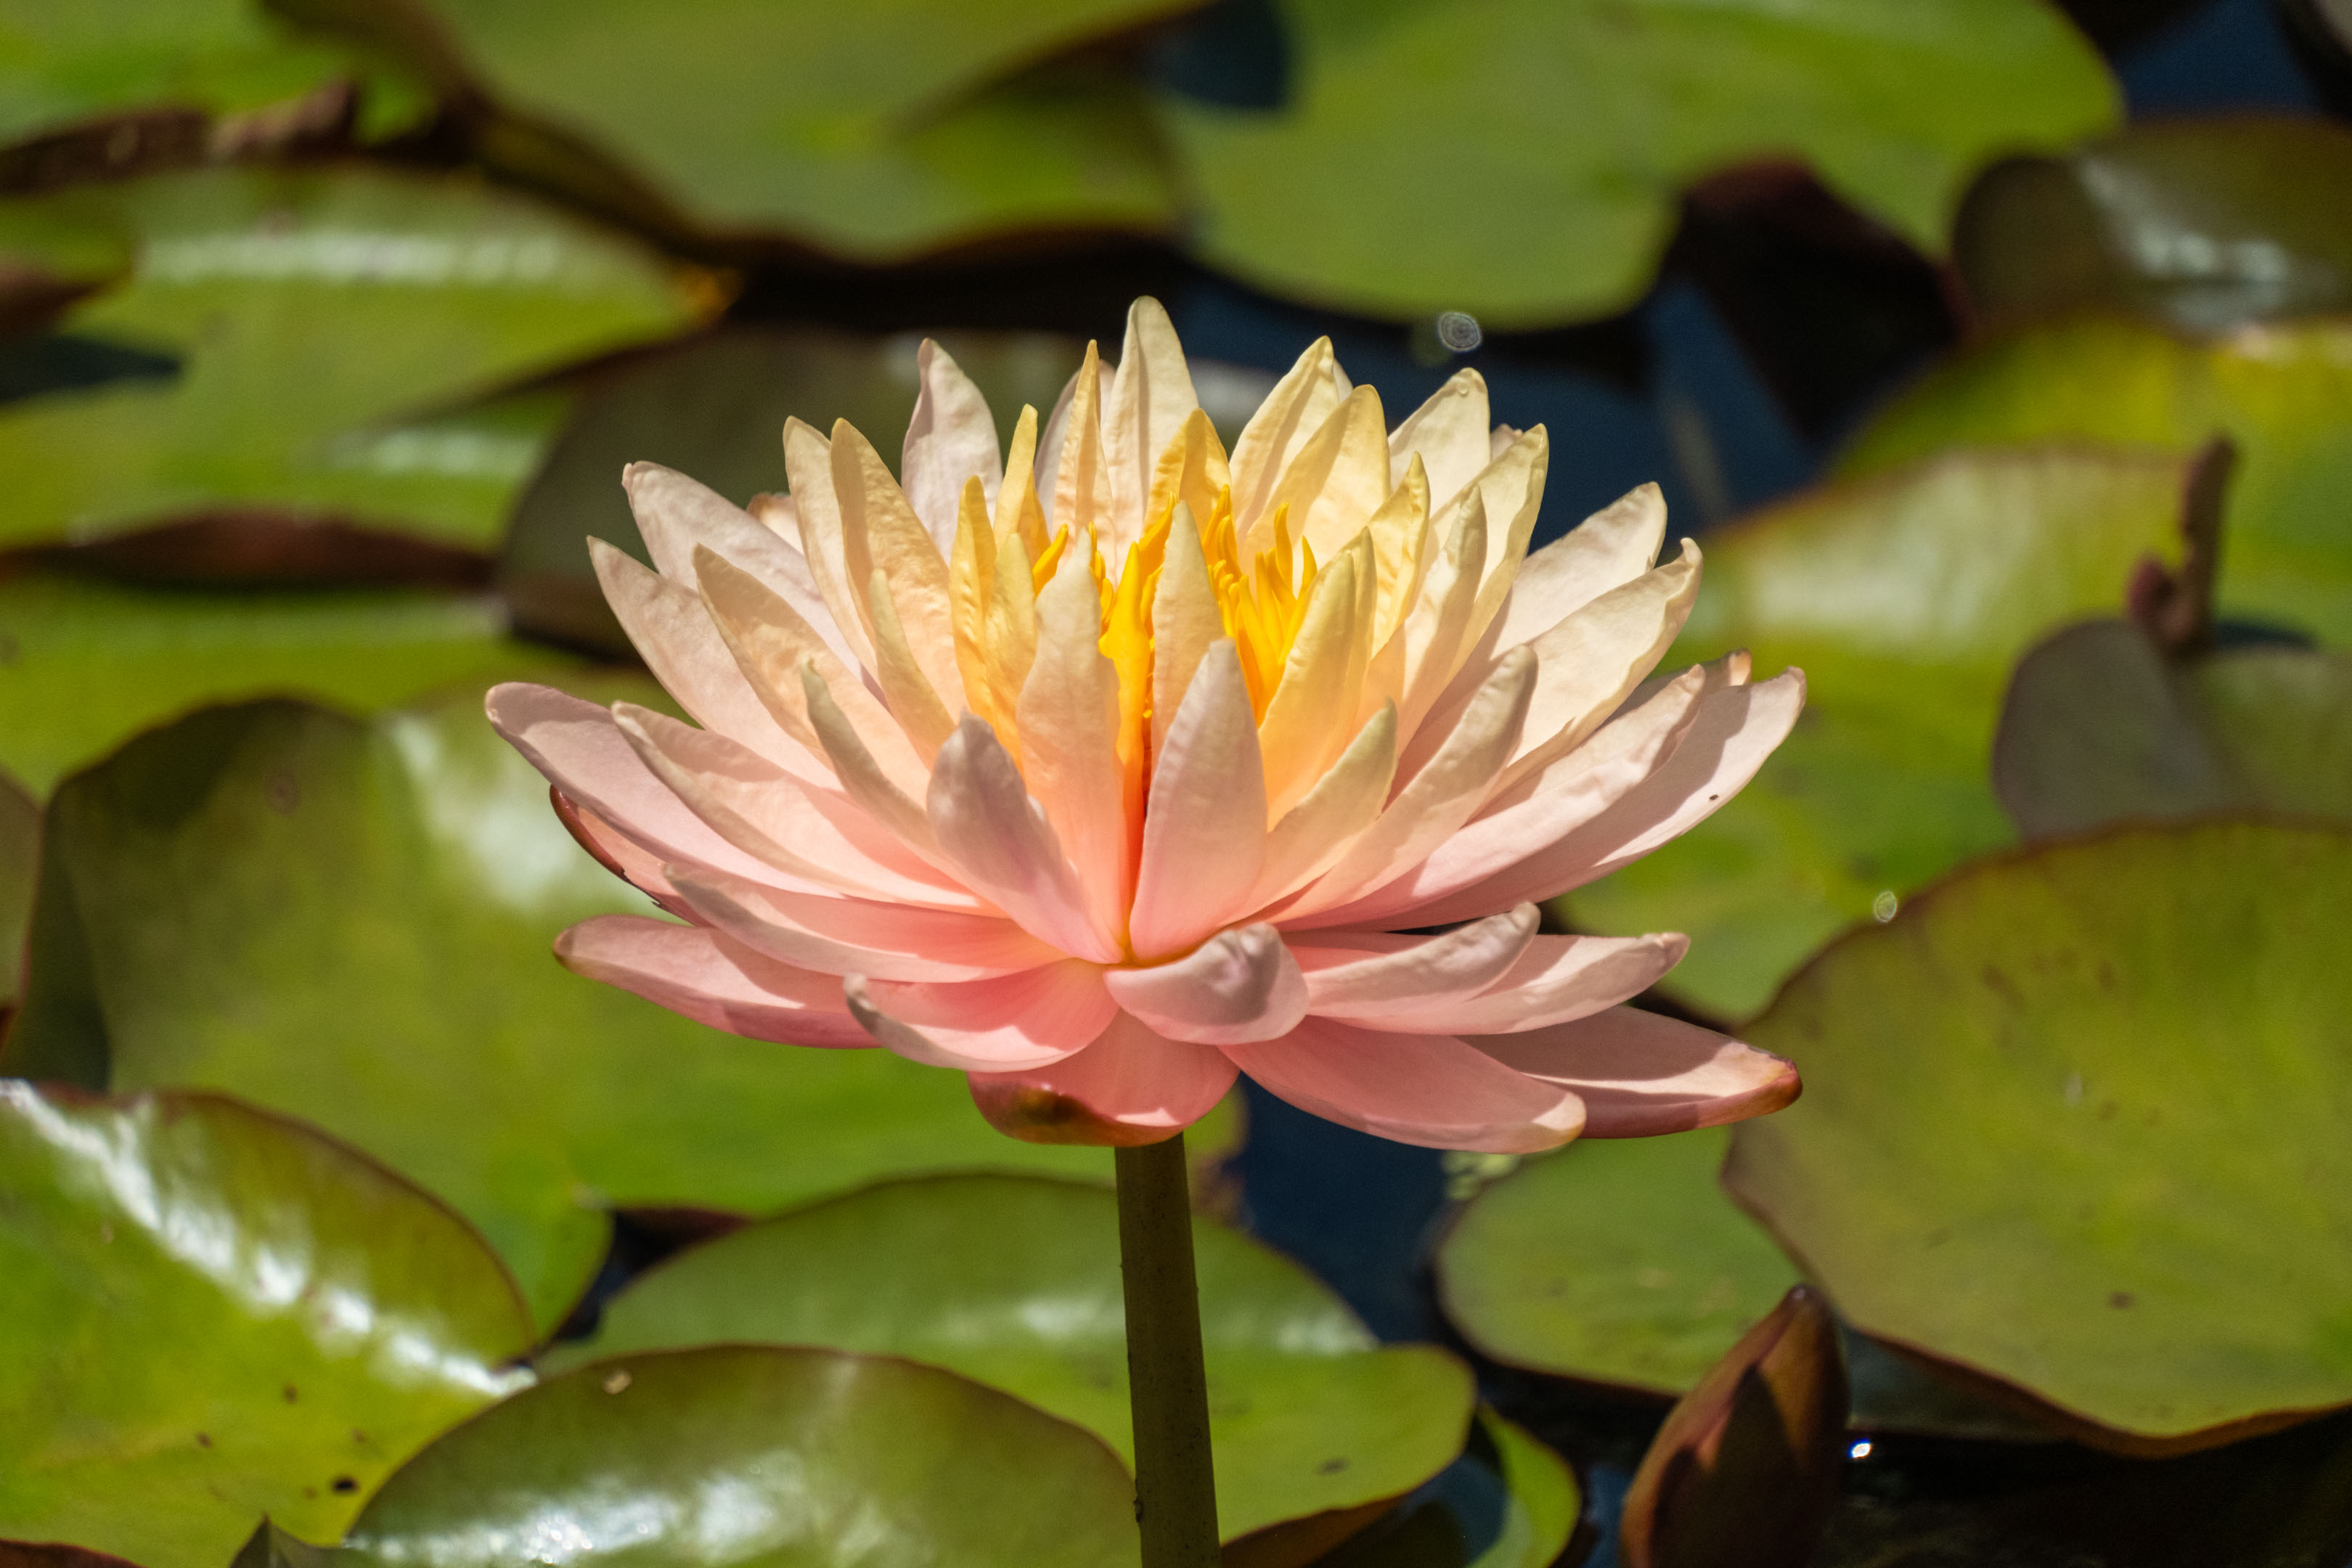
1000, 843
614, 851
1240, 984
1204, 838
676, 514
767, 813
1130, 1086
582, 754
1430, 1089
1369, 975
1068, 717
1004, 1024
1612, 547
951, 438
1557, 979
855, 936
700, 975
1734, 730
1640, 1074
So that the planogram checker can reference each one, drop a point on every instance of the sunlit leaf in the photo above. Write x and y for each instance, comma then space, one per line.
206, 1312
1905, 598
20, 850
2208, 223
739, 1455
350, 922
316, 316
1015, 1281
872, 133
2074, 1120
90, 663
1521, 159
2281, 392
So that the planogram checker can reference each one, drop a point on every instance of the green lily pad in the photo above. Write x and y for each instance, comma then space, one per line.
1015, 1282
2099, 727
317, 314
873, 133
2283, 391
1613, 1261
1522, 160
348, 922
65, 65
206, 1312
738, 1454
1906, 599
1508, 1502
86, 664
2208, 223
2075, 1121
20, 854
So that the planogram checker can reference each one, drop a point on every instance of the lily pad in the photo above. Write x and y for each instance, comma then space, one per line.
2208, 223
20, 853
2074, 1121
317, 313
873, 133
1508, 1502
1522, 160
65, 65
1015, 1282
2099, 727
206, 1312
2281, 392
1612, 1261
348, 922
86, 664
1906, 599
738, 1454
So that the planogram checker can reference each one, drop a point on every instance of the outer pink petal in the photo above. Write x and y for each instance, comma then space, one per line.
951, 438
1131, 1086
1557, 979
1204, 838
1000, 843
1430, 1089
696, 972
855, 936
1006, 1024
1370, 975
1640, 1074
1240, 984
615, 852
675, 513
583, 753
1736, 729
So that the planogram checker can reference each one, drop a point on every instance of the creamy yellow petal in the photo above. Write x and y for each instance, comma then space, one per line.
1151, 397
912, 699
1184, 621
1204, 839
1512, 488
1449, 434
1192, 469
1440, 620
1297, 407
1018, 513
972, 584
1337, 480
1309, 838
880, 533
808, 460
951, 438
862, 778
1081, 481
1591, 661
1068, 720
1614, 545
1012, 638
770, 643
1307, 724
1400, 532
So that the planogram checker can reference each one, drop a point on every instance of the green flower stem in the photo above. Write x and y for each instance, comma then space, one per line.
1175, 1480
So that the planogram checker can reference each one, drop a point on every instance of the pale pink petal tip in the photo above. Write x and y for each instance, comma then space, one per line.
696, 972
1430, 1089
1130, 1086
1641, 1074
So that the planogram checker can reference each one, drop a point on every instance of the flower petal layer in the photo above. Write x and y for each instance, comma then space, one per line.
1004, 1024
698, 973
1240, 984
1430, 1089
1640, 1074
1131, 1086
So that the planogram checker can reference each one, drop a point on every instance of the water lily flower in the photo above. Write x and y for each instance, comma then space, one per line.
1104, 768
